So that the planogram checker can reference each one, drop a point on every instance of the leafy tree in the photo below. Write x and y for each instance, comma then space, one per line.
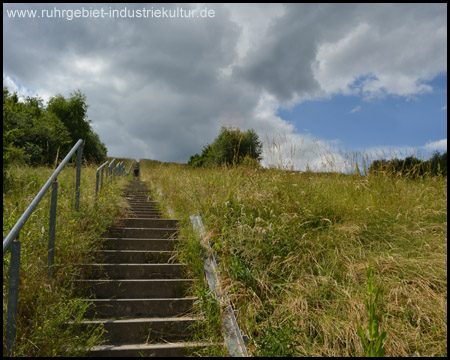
34, 134
231, 147
73, 113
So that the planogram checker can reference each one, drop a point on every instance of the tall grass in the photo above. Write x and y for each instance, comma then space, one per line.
45, 307
294, 248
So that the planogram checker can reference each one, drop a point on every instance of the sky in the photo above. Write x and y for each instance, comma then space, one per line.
319, 83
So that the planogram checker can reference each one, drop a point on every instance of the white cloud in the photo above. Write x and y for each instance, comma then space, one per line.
444, 108
395, 55
162, 89
439, 145
355, 109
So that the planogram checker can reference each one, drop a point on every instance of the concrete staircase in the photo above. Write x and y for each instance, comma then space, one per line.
139, 294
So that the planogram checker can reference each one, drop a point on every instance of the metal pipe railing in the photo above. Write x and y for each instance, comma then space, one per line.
110, 170
128, 172
11, 240
97, 178
21, 222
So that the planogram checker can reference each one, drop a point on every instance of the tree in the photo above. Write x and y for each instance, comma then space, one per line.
73, 113
34, 134
231, 147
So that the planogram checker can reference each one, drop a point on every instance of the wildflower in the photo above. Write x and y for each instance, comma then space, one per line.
39, 328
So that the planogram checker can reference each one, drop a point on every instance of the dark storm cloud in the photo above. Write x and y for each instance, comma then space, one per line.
161, 88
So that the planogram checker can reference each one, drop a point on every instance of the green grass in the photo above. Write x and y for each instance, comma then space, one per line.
45, 307
294, 249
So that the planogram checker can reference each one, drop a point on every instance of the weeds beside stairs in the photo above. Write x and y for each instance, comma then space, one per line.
139, 295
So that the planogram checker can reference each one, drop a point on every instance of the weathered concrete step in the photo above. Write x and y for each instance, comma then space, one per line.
133, 288
132, 271
139, 202
144, 208
146, 330
143, 233
142, 202
137, 194
113, 245
145, 215
177, 349
145, 212
146, 223
127, 308
142, 196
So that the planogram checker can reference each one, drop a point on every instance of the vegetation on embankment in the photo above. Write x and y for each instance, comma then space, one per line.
38, 135
294, 250
45, 307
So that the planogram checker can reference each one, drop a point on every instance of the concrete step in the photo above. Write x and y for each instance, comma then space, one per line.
132, 271
142, 203
146, 215
146, 223
137, 194
144, 209
143, 206
146, 330
176, 349
134, 244
127, 308
133, 288
143, 233
143, 197
136, 289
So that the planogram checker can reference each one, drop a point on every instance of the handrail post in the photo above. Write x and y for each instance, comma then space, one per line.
111, 172
97, 180
101, 180
13, 295
52, 228
78, 176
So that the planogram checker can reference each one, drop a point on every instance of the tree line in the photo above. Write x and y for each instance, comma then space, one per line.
411, 166
35, 134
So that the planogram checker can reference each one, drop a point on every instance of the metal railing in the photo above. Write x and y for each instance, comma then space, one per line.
234, 340
117, 170
129, 170
11, 240
97, 179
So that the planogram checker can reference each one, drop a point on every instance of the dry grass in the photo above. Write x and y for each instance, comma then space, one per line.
294, 249
45, 307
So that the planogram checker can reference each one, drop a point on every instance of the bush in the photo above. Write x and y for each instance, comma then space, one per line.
231, 147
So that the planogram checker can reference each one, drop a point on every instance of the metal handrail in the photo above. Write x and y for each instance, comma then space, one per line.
128, 172
110, 169
21, 222
11, 240
97, 178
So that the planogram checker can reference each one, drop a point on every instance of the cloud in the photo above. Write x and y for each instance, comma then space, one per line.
161, 88
444, 108
355, 109
440, 145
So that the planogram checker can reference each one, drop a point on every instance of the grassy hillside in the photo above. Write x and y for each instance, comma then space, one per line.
294, 249
44, 307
